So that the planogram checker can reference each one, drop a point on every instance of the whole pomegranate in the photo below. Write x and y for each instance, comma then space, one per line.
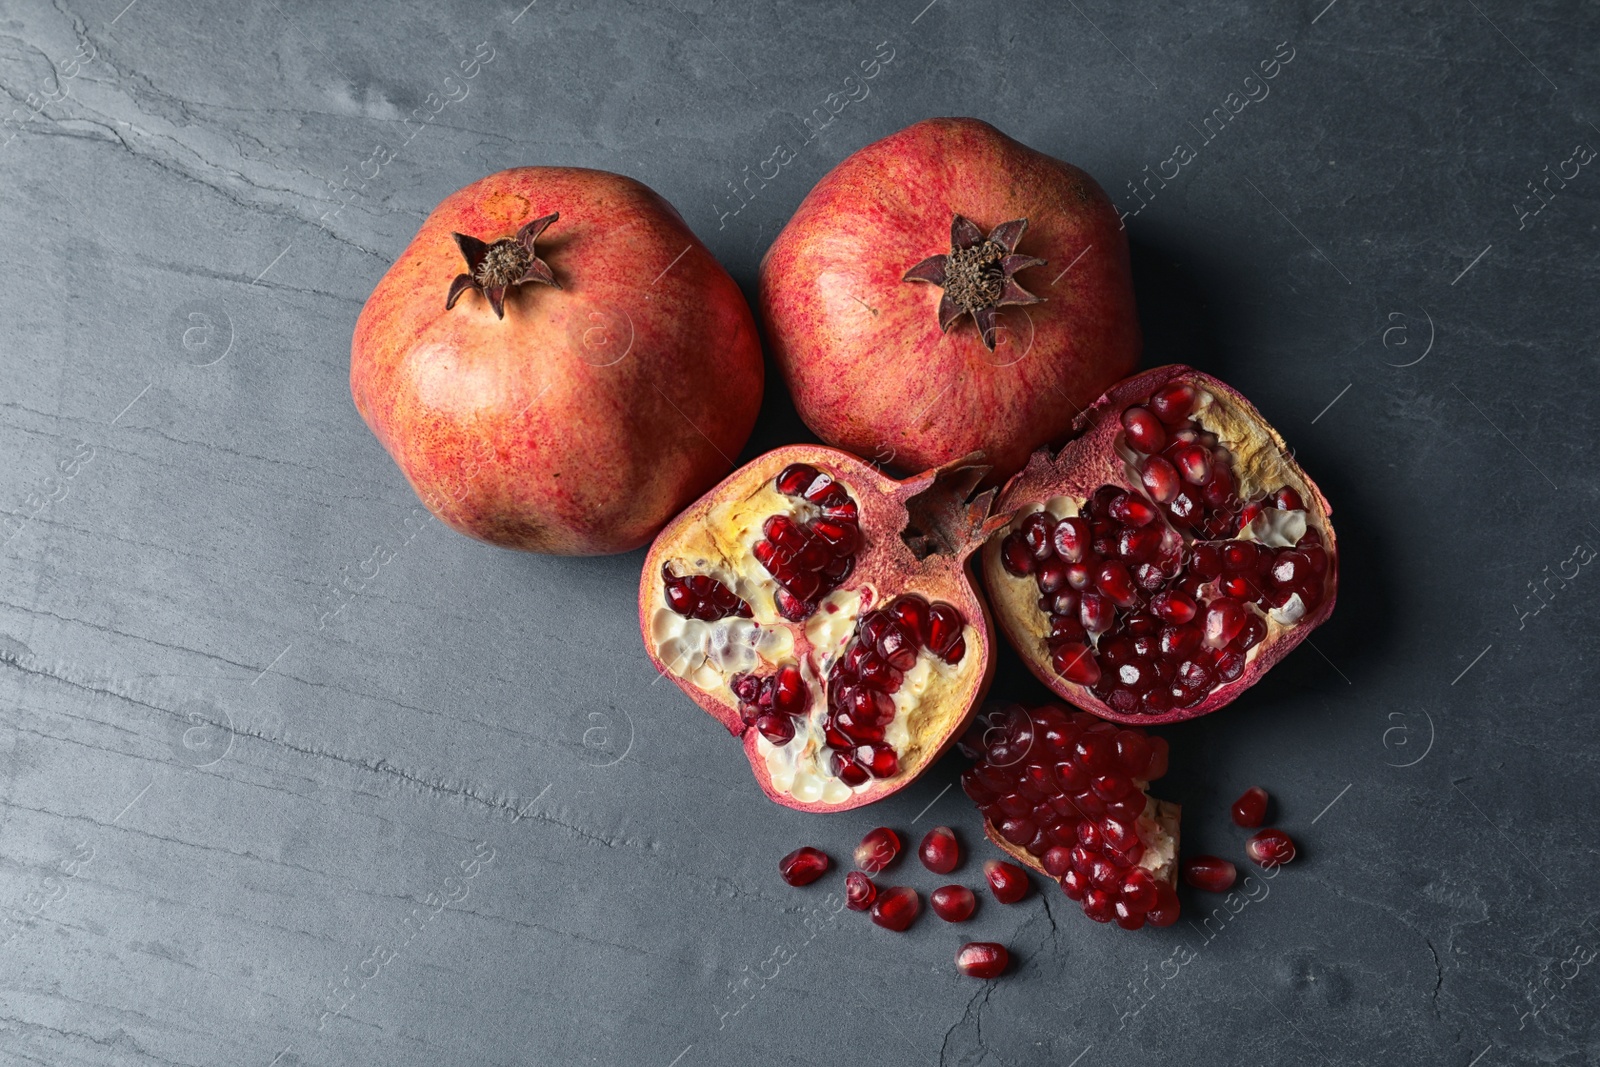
1064, 793
1166, 558
824, 613
556, 362
949, 290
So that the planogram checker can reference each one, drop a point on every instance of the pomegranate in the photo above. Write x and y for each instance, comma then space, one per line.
804, 866
982, 959
1251, 807
536, 387
1008, 882
877, 850
849, 646
940, 852
953, 903
1064, 793
896, 909
1164, 560
949, 290
859, 891
1211, 873
1271, 847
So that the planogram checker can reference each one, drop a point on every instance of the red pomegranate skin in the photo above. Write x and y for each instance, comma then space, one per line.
591, 414
861, 349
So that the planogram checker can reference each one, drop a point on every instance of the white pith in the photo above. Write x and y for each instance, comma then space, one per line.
1273, 528
710, 655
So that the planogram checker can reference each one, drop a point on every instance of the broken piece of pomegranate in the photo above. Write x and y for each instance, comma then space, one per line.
1064, 793
825, 613
1159, 563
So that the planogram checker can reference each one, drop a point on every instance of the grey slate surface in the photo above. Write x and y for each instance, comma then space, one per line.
459, 822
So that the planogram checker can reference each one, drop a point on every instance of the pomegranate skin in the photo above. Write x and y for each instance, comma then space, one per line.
591, 414
860, 348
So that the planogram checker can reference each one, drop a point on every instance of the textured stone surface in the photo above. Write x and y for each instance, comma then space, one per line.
460, 821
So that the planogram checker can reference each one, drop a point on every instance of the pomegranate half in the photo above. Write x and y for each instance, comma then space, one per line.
1164, 559
825, 613
949, 290
557, 363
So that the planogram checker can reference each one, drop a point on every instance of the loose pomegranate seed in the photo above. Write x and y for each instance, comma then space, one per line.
859, 891
877, 850
953, 903
1251, 807
1008, 882
1270, 847
1210, 873
804, 866
896, 909
983, 959
940, 852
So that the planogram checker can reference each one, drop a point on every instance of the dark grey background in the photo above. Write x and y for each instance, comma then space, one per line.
461, 822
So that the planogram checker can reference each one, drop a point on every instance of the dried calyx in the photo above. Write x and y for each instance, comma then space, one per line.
492, 269
978, 274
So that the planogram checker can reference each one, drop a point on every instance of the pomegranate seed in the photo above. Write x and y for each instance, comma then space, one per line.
1251, 807
700, 596
1210, 873
1225, 617
877, 850
940, 852
953, 903
1076, 664
1165, 910
896, 909
804, 866
1174, 606
1015, 556
1270, 847
1144, 430
1173, 403
1099, 905
1193, 462
777, 729
1116, 583
1071, 538
1008, 882
1037, 530
859, 891
983, 959
1160, 478
1096, 612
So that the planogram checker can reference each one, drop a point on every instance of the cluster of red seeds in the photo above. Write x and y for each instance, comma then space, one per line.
809, 560
1145, 607
700, 596
870, 670
1065, 787
773, 702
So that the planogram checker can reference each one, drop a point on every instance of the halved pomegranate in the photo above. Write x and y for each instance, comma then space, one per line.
1158, 564
845, 641
1064, 792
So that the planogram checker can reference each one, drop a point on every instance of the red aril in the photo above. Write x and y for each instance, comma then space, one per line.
804, 866
896, 909
1008, 882
859, 891
554, 416
953, 903
1270, 848
1211, 873
983, 959
1063, 792
824, 612
1197, 581
1251, 808
948, 290
877, 850
940, 852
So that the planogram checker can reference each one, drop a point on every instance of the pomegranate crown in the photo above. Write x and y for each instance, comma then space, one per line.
978, 274
492, 269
